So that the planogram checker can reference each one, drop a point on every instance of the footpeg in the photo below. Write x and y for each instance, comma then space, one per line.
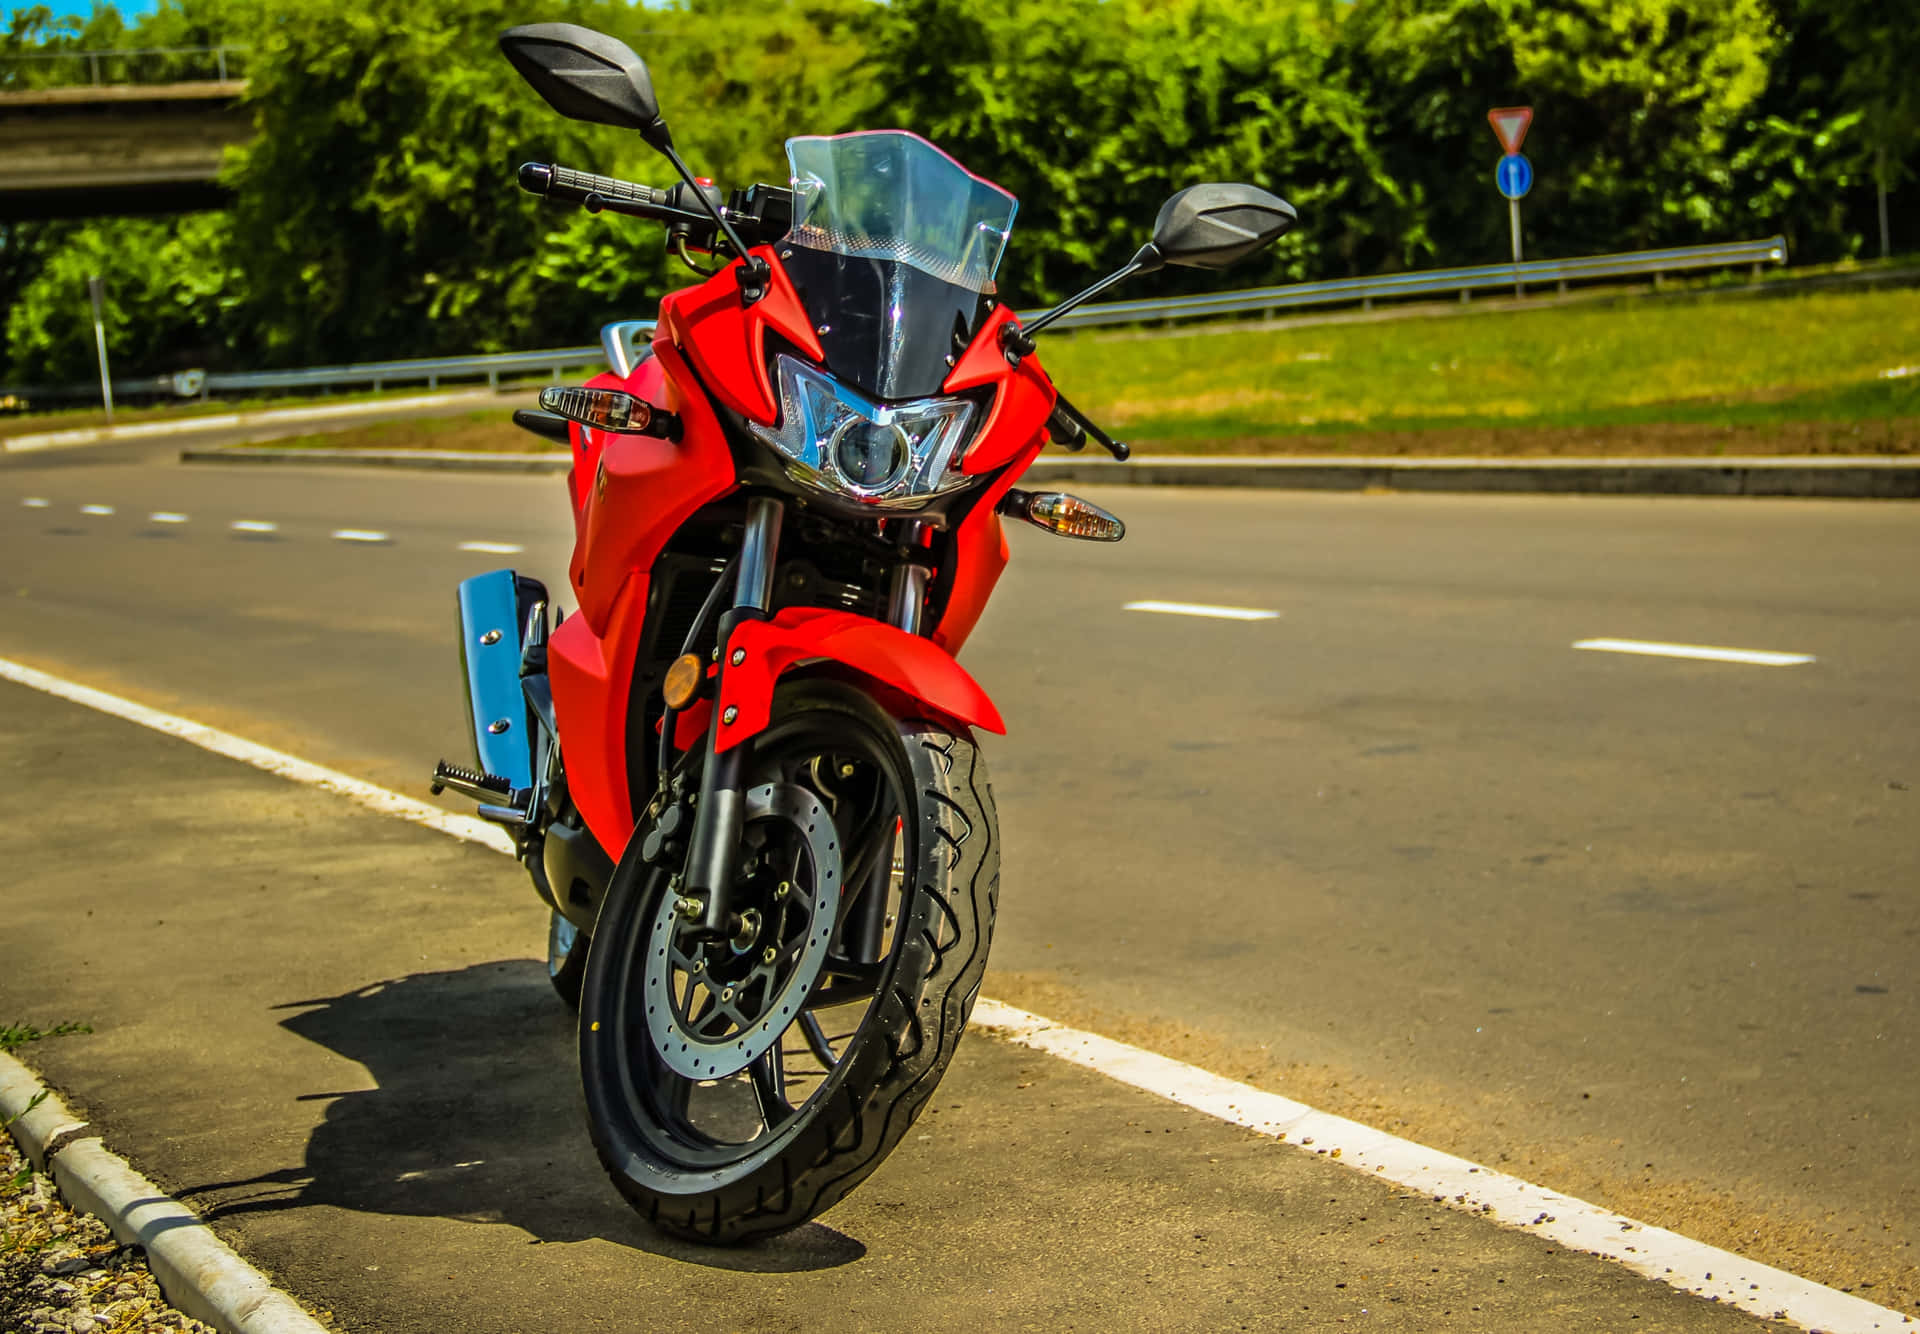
491, 789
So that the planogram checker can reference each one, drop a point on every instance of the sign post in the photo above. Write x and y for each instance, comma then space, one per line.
1514, 174
96, 291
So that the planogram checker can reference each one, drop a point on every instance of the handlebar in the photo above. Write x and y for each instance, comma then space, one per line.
552, 181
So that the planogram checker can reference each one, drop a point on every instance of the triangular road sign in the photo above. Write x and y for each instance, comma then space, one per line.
1510, 123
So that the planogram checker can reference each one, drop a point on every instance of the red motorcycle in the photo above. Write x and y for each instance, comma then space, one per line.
743, 773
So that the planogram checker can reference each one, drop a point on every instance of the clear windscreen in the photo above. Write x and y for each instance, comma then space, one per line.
893, 250
890, 195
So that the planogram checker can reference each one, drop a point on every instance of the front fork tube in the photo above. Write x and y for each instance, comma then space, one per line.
718, 820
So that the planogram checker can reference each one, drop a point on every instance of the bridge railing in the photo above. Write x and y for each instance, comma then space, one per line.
494, 367
131, 65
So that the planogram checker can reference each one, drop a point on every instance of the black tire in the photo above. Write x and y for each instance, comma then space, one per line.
944, 878
566, 957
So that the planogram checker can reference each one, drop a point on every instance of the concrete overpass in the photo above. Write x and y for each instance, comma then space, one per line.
116, 149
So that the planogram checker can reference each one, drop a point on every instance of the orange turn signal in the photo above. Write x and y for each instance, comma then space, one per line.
683, 682
1069, 516
610, 410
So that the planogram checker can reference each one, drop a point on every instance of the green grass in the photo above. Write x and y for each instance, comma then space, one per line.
1710, 361
15, 1036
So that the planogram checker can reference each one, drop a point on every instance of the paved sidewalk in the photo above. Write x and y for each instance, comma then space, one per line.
326, 1030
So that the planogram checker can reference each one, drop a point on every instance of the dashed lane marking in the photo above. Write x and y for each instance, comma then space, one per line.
254, 526
1203, 609
359, 535
96, 509
1666, 1257
166, 516
494, 548
1759, 657
35, 503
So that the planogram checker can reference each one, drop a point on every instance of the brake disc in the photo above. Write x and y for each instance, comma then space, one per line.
738, 994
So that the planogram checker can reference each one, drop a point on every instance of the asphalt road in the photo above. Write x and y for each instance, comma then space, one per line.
1638, 928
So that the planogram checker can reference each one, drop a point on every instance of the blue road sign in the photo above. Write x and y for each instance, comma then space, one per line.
1514, 175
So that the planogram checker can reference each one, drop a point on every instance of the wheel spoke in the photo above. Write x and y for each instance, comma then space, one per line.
770, 1087
817, 1040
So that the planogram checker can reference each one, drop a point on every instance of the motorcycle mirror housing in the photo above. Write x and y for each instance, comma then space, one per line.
1216, 226
1202, 227
587, 75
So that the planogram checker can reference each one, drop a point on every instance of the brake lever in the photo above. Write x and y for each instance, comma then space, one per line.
1085, 428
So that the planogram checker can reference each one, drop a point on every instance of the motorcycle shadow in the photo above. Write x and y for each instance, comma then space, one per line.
477, 1115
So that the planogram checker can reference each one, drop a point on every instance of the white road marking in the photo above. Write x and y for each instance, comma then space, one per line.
34, 503
1202, 609
1760, 657
358, 535
254, 526
96, 509
493, 548
166, 516
262, 757
1666, 1257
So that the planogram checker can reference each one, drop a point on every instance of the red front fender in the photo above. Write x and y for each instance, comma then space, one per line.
915, 667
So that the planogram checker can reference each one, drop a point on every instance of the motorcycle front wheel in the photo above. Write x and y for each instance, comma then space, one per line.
859, 953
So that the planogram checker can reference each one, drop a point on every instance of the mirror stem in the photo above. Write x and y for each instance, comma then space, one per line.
1019, 340
754, 275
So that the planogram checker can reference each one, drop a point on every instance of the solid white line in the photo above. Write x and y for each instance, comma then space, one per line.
263, 757
1666, 1257
1760, 657
166, 516
96, 509
254, 526
34, 503
1202, 609
1653, 1252
493, 548
358, 535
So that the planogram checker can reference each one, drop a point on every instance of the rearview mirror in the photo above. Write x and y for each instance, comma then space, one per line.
586, 75
1214, 226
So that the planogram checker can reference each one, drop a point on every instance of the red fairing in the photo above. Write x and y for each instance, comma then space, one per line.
979, 555
915, 667
726, 339
1022, 401
1013, 436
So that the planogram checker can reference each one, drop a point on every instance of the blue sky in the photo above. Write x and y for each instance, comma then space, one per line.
83, 8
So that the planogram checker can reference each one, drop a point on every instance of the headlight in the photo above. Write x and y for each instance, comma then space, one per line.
895, 456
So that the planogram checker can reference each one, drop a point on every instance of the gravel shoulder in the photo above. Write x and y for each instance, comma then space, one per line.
62, 1272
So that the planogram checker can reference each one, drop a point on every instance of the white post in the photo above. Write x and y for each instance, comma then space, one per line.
100, 345
1513, 220
1880, 182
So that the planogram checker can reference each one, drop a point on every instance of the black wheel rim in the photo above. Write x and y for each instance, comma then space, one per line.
707, 1124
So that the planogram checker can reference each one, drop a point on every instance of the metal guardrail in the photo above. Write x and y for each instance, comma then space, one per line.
94, 59
492, 367
1428, 282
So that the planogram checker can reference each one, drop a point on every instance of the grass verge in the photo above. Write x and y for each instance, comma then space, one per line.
1820, 373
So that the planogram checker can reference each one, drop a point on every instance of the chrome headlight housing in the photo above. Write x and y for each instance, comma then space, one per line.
889, 455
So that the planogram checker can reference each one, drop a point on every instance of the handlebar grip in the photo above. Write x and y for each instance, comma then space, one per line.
564, 183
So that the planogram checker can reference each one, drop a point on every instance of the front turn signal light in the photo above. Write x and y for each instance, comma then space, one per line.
610, 410
1069, 516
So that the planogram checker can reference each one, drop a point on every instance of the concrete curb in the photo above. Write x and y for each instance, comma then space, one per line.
431, 460
1805, 476
223, 421
199, 1273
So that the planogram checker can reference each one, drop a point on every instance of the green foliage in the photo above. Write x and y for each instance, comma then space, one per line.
374, 214
168, 285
